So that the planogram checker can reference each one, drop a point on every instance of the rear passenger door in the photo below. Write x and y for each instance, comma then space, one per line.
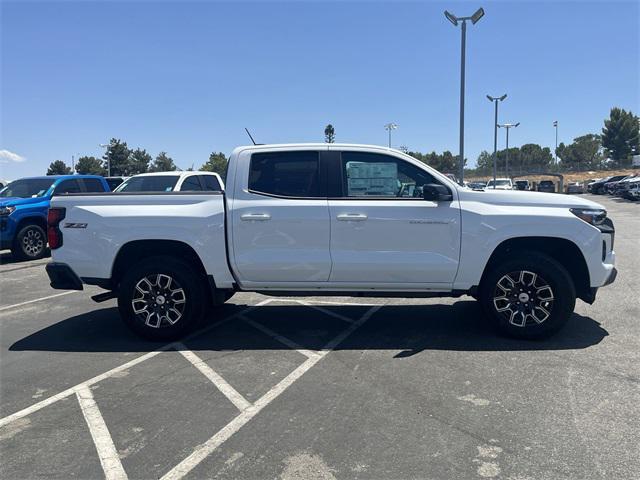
280, 220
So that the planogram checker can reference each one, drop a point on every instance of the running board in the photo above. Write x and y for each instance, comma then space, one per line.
103, 297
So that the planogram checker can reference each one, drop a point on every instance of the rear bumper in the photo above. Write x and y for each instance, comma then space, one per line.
62, 277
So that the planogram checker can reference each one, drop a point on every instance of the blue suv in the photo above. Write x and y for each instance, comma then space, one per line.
23, 210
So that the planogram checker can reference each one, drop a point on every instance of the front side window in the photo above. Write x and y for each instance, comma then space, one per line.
27, 188
191, 184
286, 174
151, 183
377, 175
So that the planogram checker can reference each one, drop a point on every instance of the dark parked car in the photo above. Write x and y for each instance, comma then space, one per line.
547, 186
523, 185
599, 187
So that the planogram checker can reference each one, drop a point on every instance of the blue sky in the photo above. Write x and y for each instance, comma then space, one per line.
187, 77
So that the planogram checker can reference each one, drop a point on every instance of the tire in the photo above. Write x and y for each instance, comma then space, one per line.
160, 298
522, 306
30, 243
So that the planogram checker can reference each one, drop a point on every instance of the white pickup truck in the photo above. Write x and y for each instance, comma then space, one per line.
331, 219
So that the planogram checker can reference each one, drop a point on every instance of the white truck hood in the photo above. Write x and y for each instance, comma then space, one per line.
523, 198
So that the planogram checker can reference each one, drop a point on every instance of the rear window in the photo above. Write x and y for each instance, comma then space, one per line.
155, 183
92, 185
191, 184
286, 174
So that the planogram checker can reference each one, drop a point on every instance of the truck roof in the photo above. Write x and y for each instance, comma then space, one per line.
316, 145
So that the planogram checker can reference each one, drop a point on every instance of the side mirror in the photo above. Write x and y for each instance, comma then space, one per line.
436, 193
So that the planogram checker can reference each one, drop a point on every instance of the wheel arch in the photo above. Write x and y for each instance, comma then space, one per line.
137, 250
564, 251
39, 220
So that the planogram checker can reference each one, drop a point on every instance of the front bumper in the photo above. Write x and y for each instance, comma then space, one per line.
62, 277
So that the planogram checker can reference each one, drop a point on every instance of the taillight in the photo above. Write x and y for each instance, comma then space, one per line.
54, 235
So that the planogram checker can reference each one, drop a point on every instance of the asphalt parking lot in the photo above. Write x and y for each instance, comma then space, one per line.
320, 388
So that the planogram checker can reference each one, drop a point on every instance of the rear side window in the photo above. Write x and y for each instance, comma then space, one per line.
68, 186
191, 184
286, 174
210, 183
92, 185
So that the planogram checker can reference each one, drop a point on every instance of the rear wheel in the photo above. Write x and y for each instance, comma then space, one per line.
529, 296
160, 298
30, 243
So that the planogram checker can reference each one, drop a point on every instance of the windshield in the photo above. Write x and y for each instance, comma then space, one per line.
27, 188
155, 183
499, 182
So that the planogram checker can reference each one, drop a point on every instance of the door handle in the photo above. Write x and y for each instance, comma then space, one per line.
351, 217
256, 216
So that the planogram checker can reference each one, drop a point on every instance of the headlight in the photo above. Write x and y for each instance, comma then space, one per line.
6, 211
593, 216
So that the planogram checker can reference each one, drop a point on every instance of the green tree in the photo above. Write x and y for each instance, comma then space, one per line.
58, 167
445, 162
90, 166
138, 162
621, 136
163, 163
484, 164
530, 158
329, 134
584, 153
117, 156
217, 163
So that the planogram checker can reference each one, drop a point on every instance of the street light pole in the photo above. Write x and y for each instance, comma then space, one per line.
463, 31
495, 135
555, 152
106, 145
389, 127
507, 126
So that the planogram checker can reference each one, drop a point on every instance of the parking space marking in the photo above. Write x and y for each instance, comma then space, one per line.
98, 378
285, 341
204, 450
109, 459
221, 384
8, 307
326, 312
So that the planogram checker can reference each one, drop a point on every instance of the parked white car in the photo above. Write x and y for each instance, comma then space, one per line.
501, 184
333, 219
176, 181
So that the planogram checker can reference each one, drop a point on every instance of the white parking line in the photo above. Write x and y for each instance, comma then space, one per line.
326, 312
9, 307
107, 452
70, 391
205, 449
285, 341
231, 393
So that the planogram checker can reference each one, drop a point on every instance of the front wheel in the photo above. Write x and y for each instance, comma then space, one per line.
30, 243
528, 296
160, 298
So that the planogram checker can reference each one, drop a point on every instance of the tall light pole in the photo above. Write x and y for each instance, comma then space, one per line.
389, 127
508, 126
106, 145
555, 152
454, 20
495, 136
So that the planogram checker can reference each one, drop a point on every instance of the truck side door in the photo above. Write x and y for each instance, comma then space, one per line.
382, 230
280, 219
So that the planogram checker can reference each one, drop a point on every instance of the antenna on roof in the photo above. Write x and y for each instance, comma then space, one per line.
252, 140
